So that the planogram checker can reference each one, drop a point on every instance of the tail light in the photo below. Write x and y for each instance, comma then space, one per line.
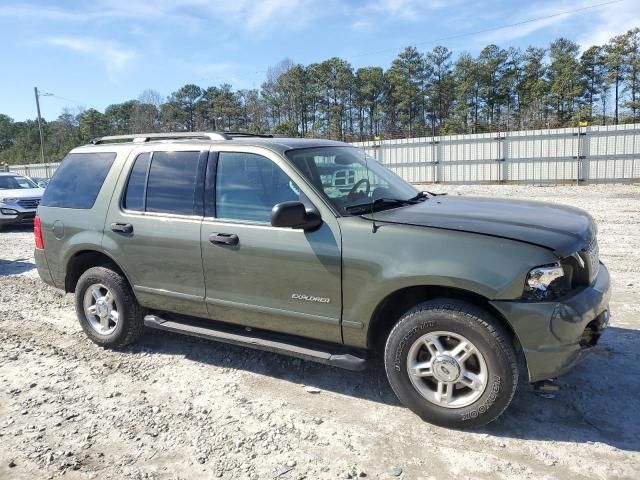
37, 232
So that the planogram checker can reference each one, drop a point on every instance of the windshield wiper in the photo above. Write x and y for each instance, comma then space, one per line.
377, 203
421, 196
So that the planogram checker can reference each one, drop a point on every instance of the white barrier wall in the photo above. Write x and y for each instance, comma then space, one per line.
37, 170
564, 155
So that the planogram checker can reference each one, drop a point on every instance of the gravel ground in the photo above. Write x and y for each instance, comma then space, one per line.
178, 407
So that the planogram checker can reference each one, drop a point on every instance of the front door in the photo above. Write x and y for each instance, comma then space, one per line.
257, 275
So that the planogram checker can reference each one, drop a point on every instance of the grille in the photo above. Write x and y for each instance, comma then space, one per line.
590, 255
29, 203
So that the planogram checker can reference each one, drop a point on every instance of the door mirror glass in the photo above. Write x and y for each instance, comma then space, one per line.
294, 215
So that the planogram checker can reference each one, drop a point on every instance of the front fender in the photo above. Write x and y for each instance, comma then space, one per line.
375, 265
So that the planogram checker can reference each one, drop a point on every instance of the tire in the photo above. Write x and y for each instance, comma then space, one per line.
129, 326
487, 378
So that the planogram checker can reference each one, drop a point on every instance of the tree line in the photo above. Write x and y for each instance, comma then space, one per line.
420, 94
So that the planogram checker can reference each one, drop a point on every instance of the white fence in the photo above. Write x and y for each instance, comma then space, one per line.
564, 155
35, 170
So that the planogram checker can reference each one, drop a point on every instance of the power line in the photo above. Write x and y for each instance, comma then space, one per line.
485, 30
493, 29
435, 40
78, 104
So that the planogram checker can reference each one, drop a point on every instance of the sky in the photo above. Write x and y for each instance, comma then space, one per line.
92, 53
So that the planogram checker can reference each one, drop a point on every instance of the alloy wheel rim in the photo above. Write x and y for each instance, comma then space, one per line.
447, 369
101, 309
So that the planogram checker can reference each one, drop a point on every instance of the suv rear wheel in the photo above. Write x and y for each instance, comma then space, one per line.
107, 308
451, 363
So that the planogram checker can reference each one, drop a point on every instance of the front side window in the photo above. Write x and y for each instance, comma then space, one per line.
78, 180
15, 182
249, 185
349, 179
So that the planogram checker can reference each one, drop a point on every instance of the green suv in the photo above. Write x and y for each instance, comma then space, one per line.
247, 239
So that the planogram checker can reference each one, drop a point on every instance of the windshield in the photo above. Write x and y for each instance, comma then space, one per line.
348, 178
15, 182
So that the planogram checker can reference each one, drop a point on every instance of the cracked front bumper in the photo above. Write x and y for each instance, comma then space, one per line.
556, 335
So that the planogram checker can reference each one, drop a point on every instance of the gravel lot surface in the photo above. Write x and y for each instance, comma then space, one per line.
178, 407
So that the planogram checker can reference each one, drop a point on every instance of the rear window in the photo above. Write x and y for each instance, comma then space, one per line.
78, 180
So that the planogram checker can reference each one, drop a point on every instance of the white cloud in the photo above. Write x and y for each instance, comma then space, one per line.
609, 22
411, 10
214, 72
38, 12
589, 26
247, 15
115, 57
218, 73
503, 35
361, 25
372, 14
266, 15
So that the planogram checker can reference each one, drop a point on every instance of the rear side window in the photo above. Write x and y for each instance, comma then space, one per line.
78, 180
170, 181
171, 185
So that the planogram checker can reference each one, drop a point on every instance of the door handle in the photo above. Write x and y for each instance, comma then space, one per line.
224, 238
122, 227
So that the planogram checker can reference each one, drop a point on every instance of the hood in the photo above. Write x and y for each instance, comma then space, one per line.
22, 193
565, 230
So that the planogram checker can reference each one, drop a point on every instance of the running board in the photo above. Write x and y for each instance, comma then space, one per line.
315, 351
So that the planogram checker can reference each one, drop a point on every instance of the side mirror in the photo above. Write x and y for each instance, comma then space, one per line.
294, 215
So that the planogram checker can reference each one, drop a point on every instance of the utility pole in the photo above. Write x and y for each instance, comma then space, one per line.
38, 94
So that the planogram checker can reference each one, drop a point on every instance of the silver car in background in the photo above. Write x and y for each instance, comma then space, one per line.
19, 199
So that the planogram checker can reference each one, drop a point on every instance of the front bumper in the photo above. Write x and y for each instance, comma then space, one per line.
556, 335
21, 217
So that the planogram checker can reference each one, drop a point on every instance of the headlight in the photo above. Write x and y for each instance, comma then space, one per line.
541, 277
542, 281
8, 200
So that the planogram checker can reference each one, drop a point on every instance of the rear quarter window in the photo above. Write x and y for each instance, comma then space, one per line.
78, 180
134, 197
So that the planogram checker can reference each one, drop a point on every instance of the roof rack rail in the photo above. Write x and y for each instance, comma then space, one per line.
249, 134
146, 137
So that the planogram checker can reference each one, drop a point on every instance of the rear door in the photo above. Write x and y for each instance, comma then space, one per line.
153, 228
257, 275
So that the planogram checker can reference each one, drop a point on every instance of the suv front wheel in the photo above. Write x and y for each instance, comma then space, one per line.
107, 308
452, 364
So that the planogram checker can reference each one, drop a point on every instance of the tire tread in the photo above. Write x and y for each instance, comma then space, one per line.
475, 316
134, 313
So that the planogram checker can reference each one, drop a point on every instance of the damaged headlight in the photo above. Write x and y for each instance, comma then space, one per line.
543, 282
